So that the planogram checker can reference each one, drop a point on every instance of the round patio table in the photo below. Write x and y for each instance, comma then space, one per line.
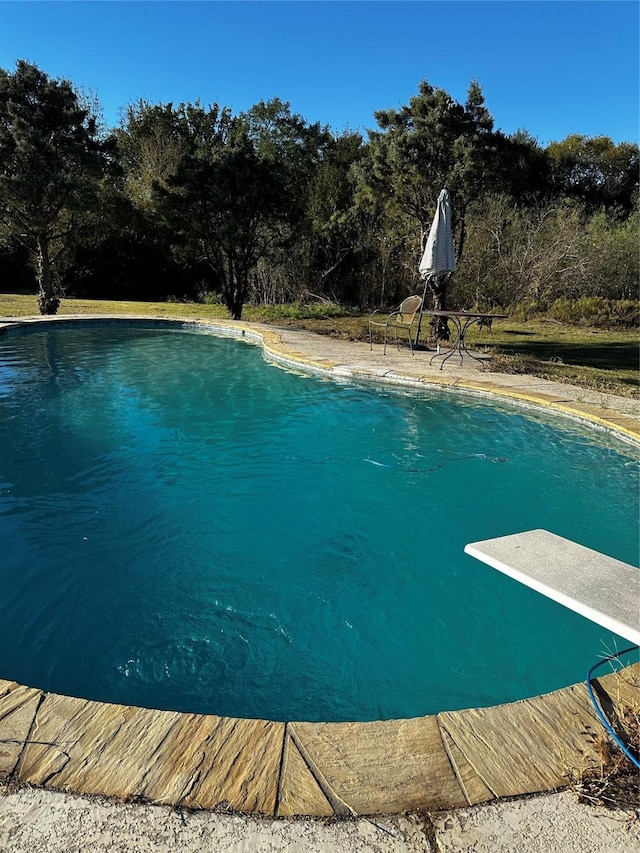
461, 320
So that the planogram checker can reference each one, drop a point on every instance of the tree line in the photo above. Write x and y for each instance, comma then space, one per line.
200, 203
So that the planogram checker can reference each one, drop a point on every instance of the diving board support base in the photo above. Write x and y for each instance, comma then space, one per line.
601, 588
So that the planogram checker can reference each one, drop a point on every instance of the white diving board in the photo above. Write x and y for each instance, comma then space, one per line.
604, 590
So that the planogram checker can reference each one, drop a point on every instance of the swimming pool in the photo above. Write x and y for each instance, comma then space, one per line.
187, 527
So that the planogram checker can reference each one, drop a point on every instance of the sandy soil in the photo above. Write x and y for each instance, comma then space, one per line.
41, 821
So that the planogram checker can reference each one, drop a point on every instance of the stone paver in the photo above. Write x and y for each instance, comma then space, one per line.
300, 791
18, 706
382, 767
158, 756
526, 746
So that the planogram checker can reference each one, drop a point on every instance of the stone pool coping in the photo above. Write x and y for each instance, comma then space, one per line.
448, 760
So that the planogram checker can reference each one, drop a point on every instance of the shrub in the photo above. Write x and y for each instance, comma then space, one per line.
526, 310
596, 311
301, 311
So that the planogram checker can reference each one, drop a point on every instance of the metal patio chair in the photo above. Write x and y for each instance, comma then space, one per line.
402, 319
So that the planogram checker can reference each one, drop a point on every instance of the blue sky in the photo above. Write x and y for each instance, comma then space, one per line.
552, 68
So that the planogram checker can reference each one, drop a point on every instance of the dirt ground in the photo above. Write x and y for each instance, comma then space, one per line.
42, 821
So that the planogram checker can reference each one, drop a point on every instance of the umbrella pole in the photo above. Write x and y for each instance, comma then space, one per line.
424, 299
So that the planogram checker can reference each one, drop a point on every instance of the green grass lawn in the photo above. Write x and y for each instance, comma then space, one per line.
606, 360
602, 359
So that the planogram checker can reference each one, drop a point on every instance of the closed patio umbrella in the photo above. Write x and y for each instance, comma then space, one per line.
439, 257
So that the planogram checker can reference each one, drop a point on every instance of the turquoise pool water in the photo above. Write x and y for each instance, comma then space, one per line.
184, 526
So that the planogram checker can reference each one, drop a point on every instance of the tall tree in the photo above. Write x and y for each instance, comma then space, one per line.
334, 226
522, 168
286, 138
595, 170
432, 143
151, 142
224, 201
297, 150
49, 158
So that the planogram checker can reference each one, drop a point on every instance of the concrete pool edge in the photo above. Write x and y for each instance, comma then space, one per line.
449, 760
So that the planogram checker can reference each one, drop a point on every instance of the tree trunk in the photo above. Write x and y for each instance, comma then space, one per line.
234, 300
47, 299
440, 325
461, 231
